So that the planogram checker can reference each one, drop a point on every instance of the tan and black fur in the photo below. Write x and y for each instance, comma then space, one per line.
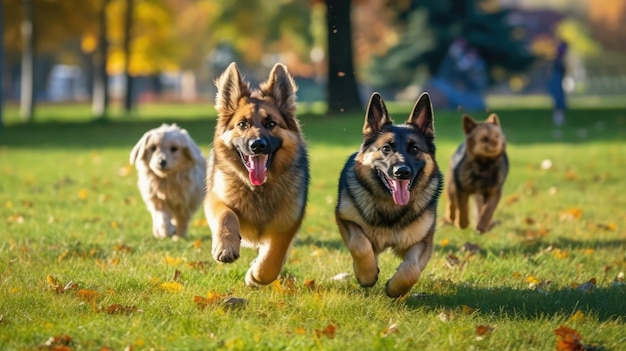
257, 173
388, 194
478, 169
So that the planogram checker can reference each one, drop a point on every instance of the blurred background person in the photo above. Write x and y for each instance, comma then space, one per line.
555, 85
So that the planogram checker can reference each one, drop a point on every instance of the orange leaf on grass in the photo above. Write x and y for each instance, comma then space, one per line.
120, 309
568, 339
481, 330
309, 283
571, 214
329, 331
571, 175
87, 295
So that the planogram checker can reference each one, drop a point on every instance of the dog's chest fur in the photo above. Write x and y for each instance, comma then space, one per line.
475, 175
384, 223
178, 191
278, 204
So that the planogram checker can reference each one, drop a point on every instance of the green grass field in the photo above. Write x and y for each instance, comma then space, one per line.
79, 266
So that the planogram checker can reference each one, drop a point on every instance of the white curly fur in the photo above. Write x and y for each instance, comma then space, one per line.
171, 176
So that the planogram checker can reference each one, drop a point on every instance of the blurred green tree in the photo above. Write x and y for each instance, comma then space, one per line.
430, 26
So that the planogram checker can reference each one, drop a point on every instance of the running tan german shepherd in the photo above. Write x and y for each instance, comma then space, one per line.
388, 194
257, 172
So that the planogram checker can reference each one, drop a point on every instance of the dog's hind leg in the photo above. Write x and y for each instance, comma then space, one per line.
462, 217
486, 211
272, 256
409, 271
364, 259
225, 231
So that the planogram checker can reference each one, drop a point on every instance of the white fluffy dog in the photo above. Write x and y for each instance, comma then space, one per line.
171, 176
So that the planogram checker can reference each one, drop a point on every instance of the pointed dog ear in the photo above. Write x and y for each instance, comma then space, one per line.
422, 115
139, 150
191, 149
281, 87
493, 119
230, 88
468, 124
376, 116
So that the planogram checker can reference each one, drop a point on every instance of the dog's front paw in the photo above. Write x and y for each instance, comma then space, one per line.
367, 279
226, 253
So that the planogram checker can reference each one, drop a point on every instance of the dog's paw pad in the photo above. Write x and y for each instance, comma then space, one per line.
227, 257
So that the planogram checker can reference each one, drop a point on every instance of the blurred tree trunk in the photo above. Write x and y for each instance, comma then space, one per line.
100, 98
27, 89
342, 90
128, 24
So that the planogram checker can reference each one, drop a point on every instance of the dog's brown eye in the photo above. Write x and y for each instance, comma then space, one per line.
242, 125
413, 149
153, 148
174, 149
270, 124
386, 148
484, 139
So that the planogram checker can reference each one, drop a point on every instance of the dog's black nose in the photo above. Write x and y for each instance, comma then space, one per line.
258, 146
163, 163
402, 172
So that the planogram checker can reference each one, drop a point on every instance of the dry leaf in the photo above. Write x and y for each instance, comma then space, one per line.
87, 295
171, 286
329, 331
571, 214
571, 175
481, 330
197, 244
568, 339
578, 316
173, 261
120, 309
511, 199
309, 283
558, 253
122, 248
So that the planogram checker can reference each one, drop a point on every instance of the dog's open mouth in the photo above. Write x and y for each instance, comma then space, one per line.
257, 167
399, 188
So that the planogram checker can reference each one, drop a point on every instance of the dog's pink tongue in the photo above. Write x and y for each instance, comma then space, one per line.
400, 191
258, 169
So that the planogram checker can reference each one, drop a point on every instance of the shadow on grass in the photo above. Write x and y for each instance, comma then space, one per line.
521, 127
605, 303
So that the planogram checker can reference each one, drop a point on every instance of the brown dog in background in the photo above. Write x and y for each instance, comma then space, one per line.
478, 168
257, 173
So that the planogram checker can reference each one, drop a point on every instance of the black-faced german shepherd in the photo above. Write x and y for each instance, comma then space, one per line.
388, 194
257, 172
